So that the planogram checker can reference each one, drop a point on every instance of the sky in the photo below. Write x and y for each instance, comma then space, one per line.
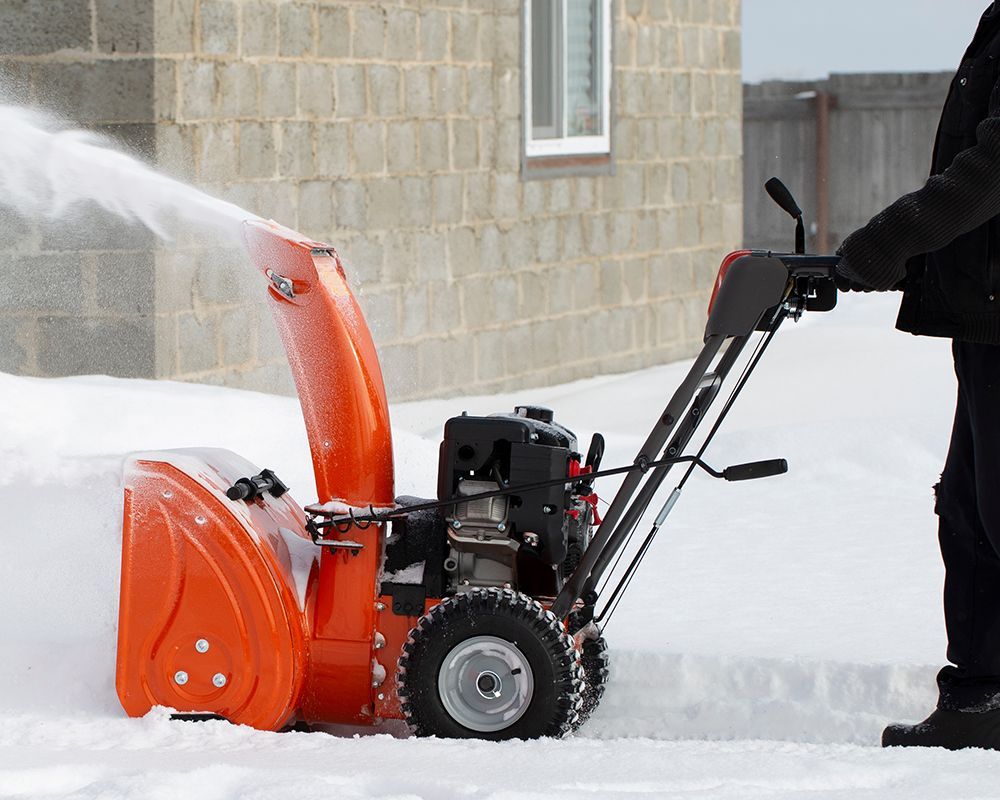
781, 39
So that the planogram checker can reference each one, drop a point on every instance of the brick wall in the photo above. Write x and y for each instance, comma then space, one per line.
394, 131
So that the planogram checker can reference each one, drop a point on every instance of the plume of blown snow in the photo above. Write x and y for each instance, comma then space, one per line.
47, 170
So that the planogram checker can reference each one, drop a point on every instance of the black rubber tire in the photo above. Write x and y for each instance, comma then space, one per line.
549, 651
596, 664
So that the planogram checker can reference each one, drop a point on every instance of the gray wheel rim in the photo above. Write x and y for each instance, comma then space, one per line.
485, 683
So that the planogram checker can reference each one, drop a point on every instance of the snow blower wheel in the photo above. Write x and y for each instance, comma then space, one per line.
594, 660
490, 664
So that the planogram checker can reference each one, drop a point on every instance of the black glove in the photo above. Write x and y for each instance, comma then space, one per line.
847, 281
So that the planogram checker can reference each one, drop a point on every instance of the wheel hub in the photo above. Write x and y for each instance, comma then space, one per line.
485, 683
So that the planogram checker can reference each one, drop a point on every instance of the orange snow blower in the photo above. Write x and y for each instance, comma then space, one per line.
475, 614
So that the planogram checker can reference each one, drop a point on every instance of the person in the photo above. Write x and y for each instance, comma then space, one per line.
941, 246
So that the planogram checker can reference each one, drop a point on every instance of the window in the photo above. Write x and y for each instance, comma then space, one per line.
567, 69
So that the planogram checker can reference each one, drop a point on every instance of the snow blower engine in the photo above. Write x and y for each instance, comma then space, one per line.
478, 613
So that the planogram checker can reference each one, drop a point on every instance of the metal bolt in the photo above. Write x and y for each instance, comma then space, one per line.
381, 695
456, 524
218, 679
201, 645
964, 81
501, 527
200, 520
180, 677
380, 606
168, 494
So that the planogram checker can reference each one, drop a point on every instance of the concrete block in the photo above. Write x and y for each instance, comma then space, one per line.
414, 318
197, 98
400, 257
401, 35
295, 30
105, 90
507, 157
237, 336
519, 245
571, 231
384, 203
433, 35
32, 27
434, 146
333, 149
507, 41
334, 40
489, 354
535, 197
295, 151
368, 147
560, 283
418, 95
259, 28
445, 312
316, 208
464, 36
351, 94
123, 282
197, 343
449, 89
506, 195
704, 93
477, 196
16, 345
463, 254
431, 248
56, 285
350, 205
401, 146
369, 32
384, 84
218, 26
634, 274
416, 208
611, 283
276, 200
122, 26
487, 144
447, 194
646, 46
278, 90
215, 151
492, 250
317, 90
400, 369
680, 102
595, 234
88, 228
464, 144
533, 295
257, 152
546, 237
381, 310
237, 95
94, 345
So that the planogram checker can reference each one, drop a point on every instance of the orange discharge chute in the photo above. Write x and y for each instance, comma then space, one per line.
227, 607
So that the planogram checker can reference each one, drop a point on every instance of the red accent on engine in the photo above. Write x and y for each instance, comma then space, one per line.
727, 262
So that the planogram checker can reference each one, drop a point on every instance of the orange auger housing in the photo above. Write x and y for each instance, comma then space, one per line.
227, 607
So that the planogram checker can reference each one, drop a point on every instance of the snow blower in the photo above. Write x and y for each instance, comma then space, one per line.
477, 613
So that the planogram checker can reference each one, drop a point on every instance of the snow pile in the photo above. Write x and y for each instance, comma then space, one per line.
45, 171
803, 609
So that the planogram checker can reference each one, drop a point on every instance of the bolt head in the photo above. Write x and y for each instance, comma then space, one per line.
381, 695
380, 606
219, 680
456, 524
200, 520
180, 677
167, 493
501, 527
201, 645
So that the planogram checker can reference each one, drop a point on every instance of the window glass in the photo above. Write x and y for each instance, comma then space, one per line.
583, 68
544, 76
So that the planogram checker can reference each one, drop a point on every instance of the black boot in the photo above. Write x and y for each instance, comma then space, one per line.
953, 730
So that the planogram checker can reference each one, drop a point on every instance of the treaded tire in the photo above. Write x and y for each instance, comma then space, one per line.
548, 651
596, 664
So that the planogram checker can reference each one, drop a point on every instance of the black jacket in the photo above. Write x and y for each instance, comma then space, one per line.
942, 242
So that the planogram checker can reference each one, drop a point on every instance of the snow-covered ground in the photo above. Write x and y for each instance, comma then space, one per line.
774, 628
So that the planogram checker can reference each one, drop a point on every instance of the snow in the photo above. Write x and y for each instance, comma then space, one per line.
775, 627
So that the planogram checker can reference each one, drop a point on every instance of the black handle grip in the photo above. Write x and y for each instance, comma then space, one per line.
779, 194
758, 469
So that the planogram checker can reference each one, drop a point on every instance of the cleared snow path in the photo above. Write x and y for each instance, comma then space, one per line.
803, 609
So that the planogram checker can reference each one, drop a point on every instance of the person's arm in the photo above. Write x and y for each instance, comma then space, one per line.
960, 199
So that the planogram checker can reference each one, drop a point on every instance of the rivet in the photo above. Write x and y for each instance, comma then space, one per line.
167, 493
180, 677
201, 645
381, 695
200, 520
964, 81
380, 606
501, 527
456, 524
993, 297
218, 679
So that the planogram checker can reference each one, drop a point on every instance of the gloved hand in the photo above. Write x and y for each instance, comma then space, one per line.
848, 281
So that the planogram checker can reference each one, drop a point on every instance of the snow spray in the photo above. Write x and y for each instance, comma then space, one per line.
47, 170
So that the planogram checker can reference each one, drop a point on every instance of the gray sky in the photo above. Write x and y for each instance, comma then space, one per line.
812, 38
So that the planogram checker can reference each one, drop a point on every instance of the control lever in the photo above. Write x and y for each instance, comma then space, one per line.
250, 489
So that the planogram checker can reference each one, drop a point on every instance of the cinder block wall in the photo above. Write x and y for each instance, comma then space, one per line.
393, 130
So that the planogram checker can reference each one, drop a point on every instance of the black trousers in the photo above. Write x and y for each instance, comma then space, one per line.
968, 507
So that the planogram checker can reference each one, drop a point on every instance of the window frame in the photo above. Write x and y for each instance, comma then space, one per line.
572, 146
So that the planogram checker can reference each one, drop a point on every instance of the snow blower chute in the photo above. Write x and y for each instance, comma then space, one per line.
477, 613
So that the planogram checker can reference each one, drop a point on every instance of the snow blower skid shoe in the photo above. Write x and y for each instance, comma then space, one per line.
478, 613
